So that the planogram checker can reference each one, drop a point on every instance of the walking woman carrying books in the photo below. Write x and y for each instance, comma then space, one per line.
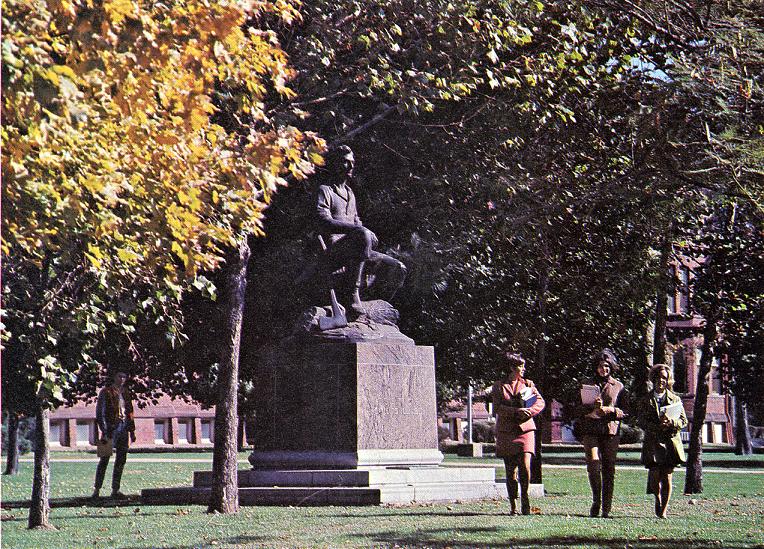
598, 427
516, 401
661, 416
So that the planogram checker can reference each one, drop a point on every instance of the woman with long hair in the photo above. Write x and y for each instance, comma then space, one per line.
662, 417
598, 427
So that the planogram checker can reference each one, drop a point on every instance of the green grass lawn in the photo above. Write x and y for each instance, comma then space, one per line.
728, 514
629, 458
80, 455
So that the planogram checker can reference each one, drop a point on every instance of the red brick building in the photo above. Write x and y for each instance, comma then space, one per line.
455, 417
171, 423
684, 333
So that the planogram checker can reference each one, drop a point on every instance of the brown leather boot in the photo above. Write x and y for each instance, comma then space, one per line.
594, 468
525, 504
512, 493
608, 476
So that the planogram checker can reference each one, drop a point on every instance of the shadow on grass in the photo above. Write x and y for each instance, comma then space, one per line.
76, 502
434, 538
503, 513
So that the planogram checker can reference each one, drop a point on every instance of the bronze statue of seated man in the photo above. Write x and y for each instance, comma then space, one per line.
350, 261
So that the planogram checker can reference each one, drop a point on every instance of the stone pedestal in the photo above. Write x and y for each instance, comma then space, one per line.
346, 405
344, 423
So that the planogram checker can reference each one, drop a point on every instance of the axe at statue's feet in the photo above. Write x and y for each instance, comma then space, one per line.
337, 319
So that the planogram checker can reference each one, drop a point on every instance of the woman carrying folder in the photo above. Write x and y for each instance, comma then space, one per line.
598, 428
515, 402
662, 417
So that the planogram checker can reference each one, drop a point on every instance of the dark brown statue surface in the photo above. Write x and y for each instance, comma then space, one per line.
349, 263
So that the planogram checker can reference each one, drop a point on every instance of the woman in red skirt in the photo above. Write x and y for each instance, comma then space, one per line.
516, 401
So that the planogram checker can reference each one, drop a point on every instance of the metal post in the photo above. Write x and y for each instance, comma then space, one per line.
469, 414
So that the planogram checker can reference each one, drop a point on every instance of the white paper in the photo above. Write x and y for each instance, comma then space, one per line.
672, 411
526, 393
589, 394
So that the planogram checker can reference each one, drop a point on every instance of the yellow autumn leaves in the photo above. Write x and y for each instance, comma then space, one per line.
109, 151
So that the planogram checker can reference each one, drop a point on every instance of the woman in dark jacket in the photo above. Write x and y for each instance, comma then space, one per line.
662, 448
516, 401
599, 428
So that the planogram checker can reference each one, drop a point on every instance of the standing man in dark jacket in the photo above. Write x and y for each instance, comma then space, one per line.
114, 415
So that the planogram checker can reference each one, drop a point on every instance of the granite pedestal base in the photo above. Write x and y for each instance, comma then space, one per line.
343, 487
326, 405
343, 423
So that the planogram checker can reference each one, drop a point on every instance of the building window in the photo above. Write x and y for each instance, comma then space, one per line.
185, 431
54, 435
85, 435
160, 431
716, 377
207, 430
672, 297
683, 294
680, 372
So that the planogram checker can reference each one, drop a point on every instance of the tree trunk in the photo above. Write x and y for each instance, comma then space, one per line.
536, 461
224, 497
645, 361
12, 459
241, 435
693, 482
743, 444
39, 510
661, 301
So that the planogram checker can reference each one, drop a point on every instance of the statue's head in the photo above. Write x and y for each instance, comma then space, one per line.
340, 162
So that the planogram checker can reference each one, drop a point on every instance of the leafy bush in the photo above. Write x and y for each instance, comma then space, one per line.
443, 433
482, 431
26, 430
631, 434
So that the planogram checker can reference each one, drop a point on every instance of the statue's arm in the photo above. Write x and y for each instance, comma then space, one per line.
356, 219
324, 214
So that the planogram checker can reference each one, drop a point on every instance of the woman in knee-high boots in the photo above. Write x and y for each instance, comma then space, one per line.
598, 428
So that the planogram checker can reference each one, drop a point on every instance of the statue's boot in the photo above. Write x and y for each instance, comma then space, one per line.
356, 306
353, 305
